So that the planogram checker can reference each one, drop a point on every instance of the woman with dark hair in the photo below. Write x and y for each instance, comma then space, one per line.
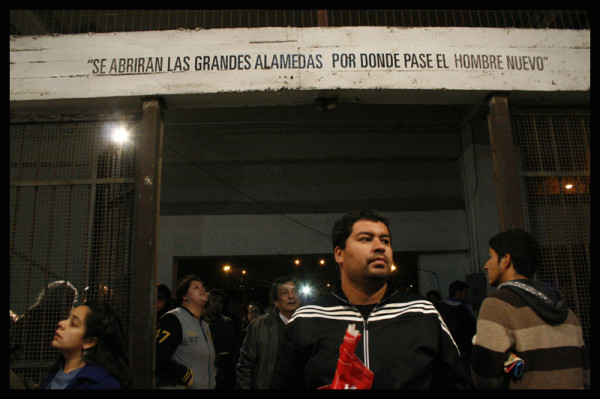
91, 350
185, 354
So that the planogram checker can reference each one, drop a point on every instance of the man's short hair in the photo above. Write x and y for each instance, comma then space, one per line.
522, 247
217, 292
277, 282
342, 228
457, 286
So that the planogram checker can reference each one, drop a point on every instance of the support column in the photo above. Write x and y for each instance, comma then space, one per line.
322, 18
148, 152
510, 209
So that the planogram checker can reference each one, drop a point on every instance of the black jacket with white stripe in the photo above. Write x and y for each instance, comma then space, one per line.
404, 342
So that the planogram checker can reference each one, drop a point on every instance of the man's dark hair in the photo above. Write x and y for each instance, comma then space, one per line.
343, 227
456, 286
277, 282
522, 247
217, 292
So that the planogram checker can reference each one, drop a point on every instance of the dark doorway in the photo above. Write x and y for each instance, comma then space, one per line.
249, 278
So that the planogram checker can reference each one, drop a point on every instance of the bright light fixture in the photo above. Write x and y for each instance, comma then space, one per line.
120, 135
306, 290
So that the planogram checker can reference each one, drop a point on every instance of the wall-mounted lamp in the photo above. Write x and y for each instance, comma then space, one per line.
119, 135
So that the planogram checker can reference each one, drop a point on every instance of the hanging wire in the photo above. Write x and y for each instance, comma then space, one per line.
275, 211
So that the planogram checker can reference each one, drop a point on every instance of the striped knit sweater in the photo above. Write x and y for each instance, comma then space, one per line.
532, 321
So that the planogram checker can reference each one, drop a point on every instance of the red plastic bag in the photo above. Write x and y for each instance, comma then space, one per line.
350, 373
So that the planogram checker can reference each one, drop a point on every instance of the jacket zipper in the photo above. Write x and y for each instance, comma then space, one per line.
366, 339
365, 335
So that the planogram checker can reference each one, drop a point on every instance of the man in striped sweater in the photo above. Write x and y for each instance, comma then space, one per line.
528, 319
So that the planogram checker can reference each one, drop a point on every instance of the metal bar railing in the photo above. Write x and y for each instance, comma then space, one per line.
41, 22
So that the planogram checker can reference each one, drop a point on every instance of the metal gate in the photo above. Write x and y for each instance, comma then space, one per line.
71, 220
553, 164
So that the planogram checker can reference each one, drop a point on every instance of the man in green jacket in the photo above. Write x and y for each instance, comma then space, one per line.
256, 366
527, 337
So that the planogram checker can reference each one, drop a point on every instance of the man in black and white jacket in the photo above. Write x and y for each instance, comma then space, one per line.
405, 342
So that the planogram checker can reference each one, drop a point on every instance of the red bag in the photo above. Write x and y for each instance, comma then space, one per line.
350, 373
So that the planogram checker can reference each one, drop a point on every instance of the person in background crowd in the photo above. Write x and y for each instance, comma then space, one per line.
92, 353
404, 341
527, 337
225, 340
253, 310
435, 298
256, 365
164, 300
460, 320
185, 355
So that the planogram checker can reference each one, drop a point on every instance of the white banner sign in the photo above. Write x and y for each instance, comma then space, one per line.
242, 60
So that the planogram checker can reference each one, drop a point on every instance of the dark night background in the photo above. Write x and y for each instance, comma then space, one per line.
262, 270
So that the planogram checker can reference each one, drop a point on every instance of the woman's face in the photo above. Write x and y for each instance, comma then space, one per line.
253, 312
68, 338
196, 294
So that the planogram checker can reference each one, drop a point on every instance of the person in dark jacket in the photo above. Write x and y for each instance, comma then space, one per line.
91, 350
404, 342
164, 300
256, 364
225, 339
459, 318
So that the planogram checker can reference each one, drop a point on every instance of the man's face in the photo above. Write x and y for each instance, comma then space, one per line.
494, 268
215, 304
368, 254
288, 299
